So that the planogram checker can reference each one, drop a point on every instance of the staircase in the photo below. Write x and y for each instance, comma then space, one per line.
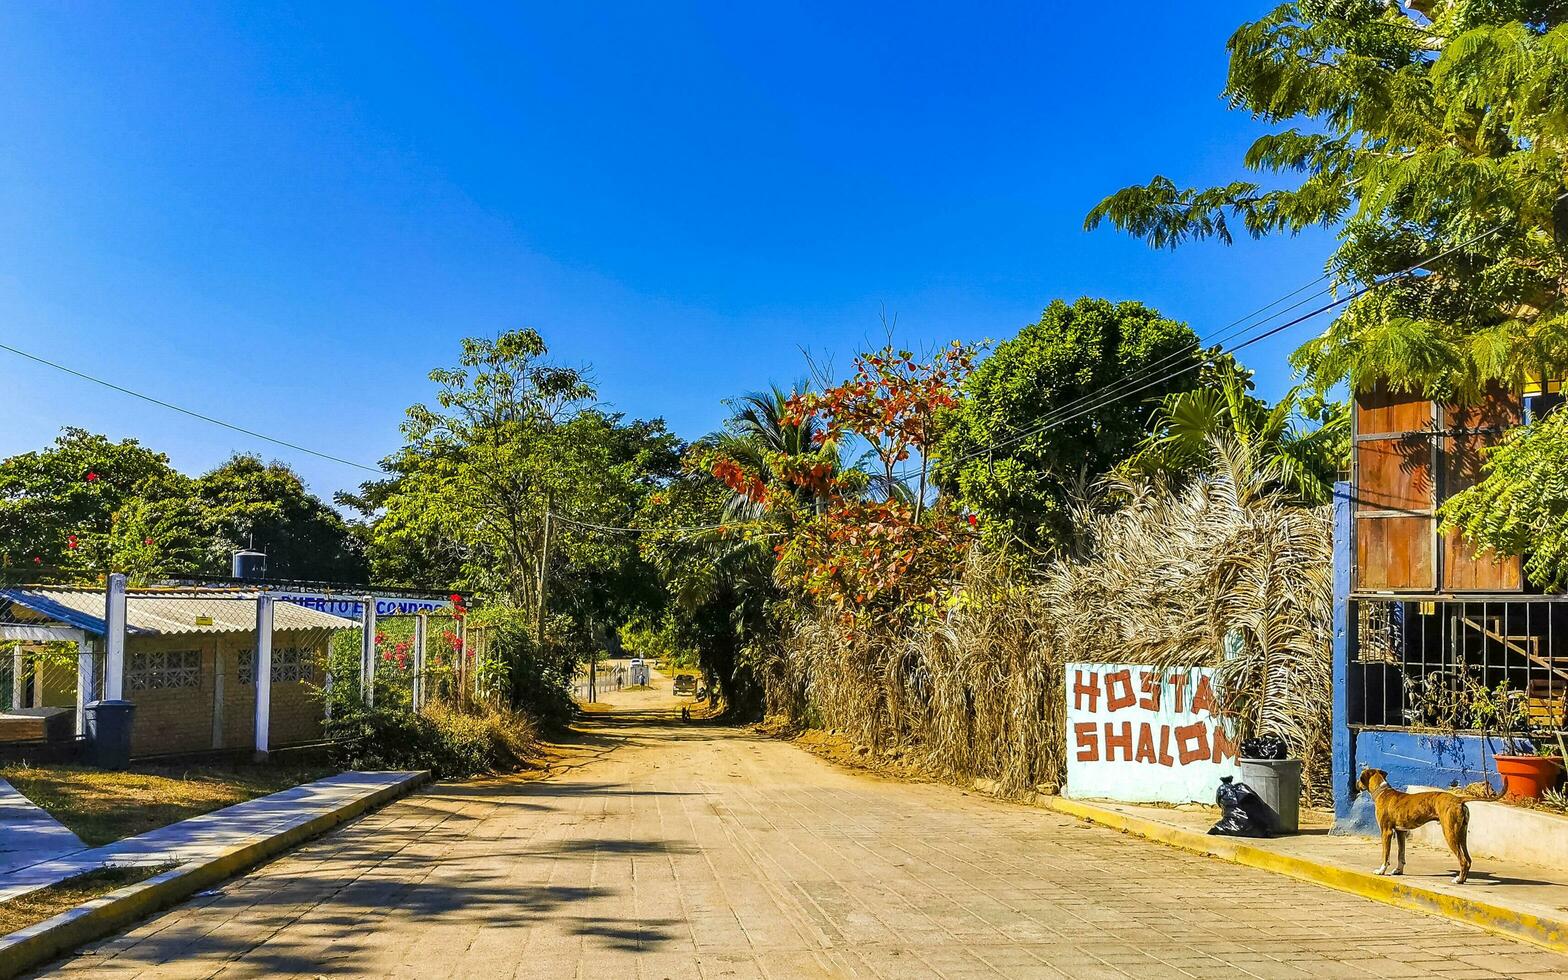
1547, 696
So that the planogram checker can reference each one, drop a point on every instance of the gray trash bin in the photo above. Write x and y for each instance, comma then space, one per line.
109, 733
1278, 783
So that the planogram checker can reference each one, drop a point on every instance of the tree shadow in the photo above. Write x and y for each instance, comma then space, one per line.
318, 923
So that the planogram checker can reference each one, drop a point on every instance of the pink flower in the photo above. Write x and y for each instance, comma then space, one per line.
70, 542
92, 477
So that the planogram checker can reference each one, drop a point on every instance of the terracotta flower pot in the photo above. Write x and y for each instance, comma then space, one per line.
1527, 776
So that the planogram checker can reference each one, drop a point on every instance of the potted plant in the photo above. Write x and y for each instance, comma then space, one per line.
1527, 769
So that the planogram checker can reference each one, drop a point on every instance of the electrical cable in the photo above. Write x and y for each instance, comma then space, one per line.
656, 530
1104, 398
193, 414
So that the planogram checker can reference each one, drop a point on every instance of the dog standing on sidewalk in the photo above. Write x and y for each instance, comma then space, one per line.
1400, 813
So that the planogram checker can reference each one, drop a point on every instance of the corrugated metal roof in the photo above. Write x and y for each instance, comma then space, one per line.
162, 611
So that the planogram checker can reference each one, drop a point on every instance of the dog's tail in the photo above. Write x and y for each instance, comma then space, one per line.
1464, 830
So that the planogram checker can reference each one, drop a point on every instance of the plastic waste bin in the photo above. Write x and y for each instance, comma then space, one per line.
1278, 783
109, 733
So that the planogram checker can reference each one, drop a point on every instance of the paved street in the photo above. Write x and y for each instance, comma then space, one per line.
671, 850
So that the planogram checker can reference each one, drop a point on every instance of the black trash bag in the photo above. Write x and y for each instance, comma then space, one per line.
1264, 747
1242, 812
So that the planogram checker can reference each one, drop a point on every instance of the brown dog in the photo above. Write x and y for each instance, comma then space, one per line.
1399, 813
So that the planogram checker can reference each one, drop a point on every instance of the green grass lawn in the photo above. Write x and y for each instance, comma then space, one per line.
101, 807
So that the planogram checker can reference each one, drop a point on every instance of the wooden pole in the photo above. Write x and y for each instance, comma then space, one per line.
544, 572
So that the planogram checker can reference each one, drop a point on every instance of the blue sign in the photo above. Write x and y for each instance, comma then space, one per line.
354, 608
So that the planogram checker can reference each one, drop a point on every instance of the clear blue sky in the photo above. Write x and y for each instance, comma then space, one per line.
286, 215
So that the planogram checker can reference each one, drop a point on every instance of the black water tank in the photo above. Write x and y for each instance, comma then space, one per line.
250, 565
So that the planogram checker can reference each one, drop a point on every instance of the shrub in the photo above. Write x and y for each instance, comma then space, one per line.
452, 743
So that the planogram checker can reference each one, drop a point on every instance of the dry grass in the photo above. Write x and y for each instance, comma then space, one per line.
101, 807
1220, 574
46, 903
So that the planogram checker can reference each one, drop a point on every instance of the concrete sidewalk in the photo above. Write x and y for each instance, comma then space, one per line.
1518, 900
199, 838
28, 834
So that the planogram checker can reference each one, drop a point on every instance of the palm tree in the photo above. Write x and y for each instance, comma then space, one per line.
1300, 444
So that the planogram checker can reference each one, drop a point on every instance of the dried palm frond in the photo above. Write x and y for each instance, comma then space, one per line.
1221, 573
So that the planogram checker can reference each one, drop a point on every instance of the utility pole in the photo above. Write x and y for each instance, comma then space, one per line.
544, 571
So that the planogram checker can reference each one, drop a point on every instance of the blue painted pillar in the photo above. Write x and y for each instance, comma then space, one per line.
1344, 756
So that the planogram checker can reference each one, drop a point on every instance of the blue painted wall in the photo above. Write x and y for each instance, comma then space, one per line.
1427, 760
1343, 761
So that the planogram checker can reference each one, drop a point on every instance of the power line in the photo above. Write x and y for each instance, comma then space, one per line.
193, 414
736, 525
1218, 338
1104, 398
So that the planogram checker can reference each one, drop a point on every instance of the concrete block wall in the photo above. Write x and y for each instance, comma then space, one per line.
220, 713
173, 719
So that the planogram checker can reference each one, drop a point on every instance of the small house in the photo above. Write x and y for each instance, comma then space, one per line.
189, 666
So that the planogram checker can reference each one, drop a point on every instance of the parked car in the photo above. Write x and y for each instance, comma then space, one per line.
685, 684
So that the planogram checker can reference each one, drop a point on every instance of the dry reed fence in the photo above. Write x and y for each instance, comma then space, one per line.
1221, 573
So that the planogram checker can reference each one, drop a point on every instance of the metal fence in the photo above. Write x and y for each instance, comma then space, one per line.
218, 668
1495, 665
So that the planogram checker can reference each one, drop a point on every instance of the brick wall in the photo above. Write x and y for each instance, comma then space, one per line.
220, 711
175, 719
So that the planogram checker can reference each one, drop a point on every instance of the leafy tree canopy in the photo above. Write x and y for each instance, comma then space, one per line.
509, 436
246, 503
59, 506
1021, 481
1521, 506
1432, 136
87, 504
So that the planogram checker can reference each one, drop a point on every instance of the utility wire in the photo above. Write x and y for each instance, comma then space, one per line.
655, 530
1057, 417
193, 414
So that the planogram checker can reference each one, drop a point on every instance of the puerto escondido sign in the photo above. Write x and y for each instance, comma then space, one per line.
353, 607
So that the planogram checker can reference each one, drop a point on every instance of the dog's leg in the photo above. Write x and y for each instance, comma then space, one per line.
1457, 833
1388, 839
1399, 869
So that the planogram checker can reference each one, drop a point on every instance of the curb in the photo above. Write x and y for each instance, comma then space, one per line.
1550, 933
43, 941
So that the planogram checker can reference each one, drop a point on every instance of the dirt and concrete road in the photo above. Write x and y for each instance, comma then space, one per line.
671, 850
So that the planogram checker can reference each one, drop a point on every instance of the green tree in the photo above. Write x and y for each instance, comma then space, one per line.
61, 508
722, 600
1520, 507
246, 503
1030, 428
1434, 137
508, 433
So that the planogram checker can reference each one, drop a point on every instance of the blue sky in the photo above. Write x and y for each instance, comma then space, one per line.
286, 215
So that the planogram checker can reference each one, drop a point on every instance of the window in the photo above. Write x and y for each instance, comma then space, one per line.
158, 669
289, 665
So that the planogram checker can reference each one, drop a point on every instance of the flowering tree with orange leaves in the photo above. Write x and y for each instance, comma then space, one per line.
865, 546
892, 402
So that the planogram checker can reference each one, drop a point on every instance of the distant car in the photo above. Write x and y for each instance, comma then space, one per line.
685, 684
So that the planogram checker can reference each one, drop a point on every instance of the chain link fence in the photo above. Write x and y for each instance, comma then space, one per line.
220, 668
